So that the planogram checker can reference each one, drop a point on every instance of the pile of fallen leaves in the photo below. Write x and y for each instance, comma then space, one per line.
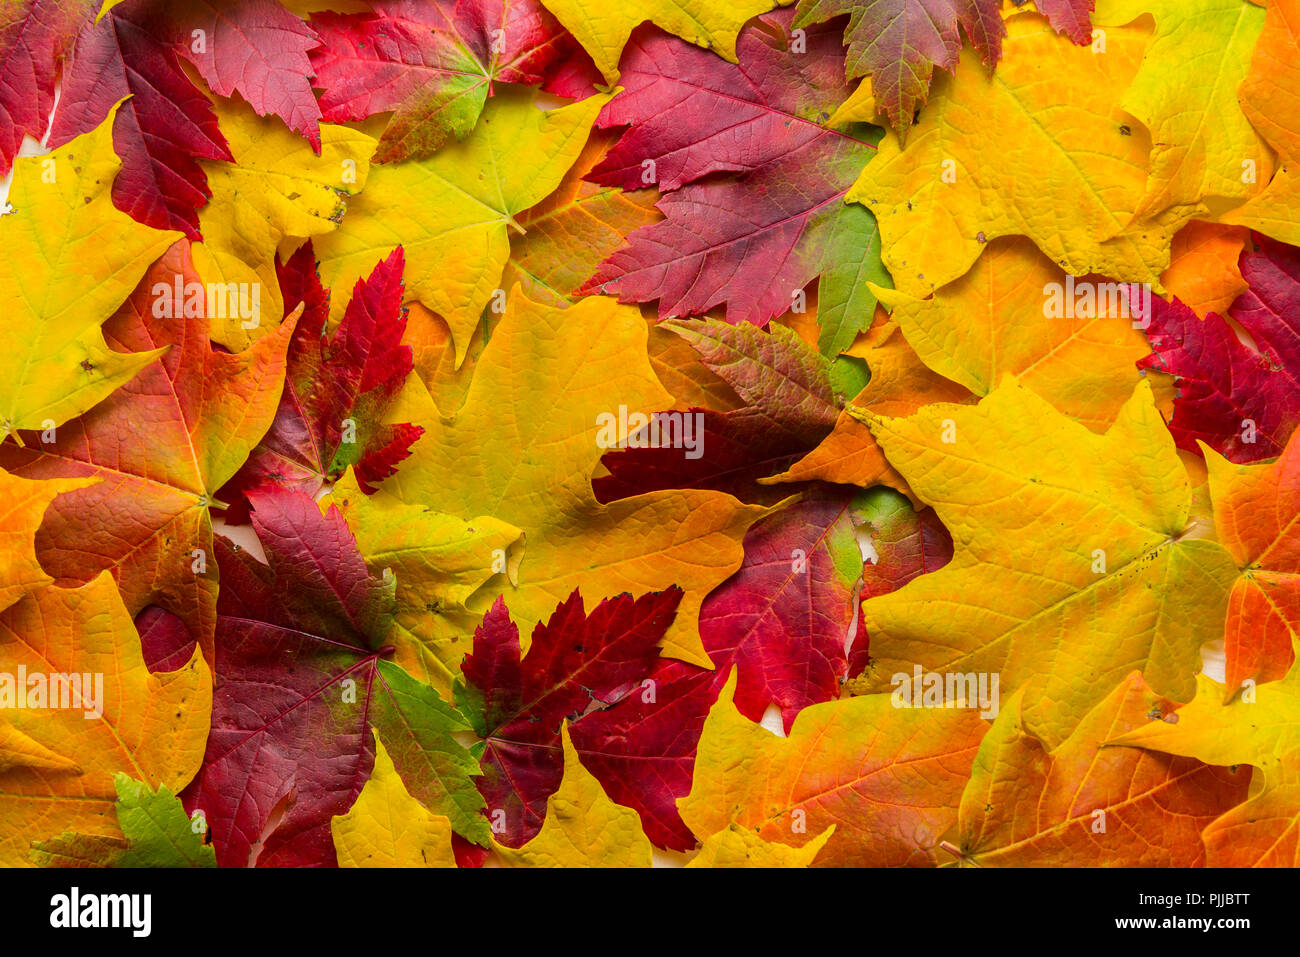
565, 432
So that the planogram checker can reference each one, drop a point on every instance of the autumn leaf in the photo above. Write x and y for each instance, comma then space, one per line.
57, 364
277, 189
603, 28
582, 826
338, 387
1256, 508
57, 765
163, 129
789, 405
386, 827
204, 411
898, 43
751, 242
1082, 804
1241, 400
1074, 342
432, 65
1095, 554
1185, 93
1203, 272
35, 37
569, 233
593, 668
156, 832
303, 676
545, 397
25, 504
785, 619
255, 48
954, 188
454, 211
867, 755
1268, 97
740, 847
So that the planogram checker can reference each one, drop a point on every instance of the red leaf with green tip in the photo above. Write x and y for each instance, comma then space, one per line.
591, 669
35, 36
348, 376
786, 617
301, 678
898, 43
749, 241
432, 63
160, 133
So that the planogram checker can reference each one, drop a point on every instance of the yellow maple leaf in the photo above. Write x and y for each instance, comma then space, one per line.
603, 28
1015, 312
60, 284
736, 846
854, 763
583, 827
1270, 98
1004, 153
57, 764
452, 212
522, 448
386, 827
1205, 155
1072, 554
277, 190
22, 506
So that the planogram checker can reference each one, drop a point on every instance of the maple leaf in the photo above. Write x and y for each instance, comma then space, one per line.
35, 36
603, 28
156, 832
899, 384
786, 617
1242, 401
386, 827
255, 48
898, 43
302, 678
152, 498
1015, 312
1256, 508
1097, 553
751, 241
1267, 96
1261, 831
737, 846
582, 826
575, 662
454, 210
868, 756
337, 387
25, 504
431, 64
1203, 270
1081, 804
789, 406
545, 397
568, 234
56, 364
277, 190
161, 131
1185, 93
57, 766
984, 130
